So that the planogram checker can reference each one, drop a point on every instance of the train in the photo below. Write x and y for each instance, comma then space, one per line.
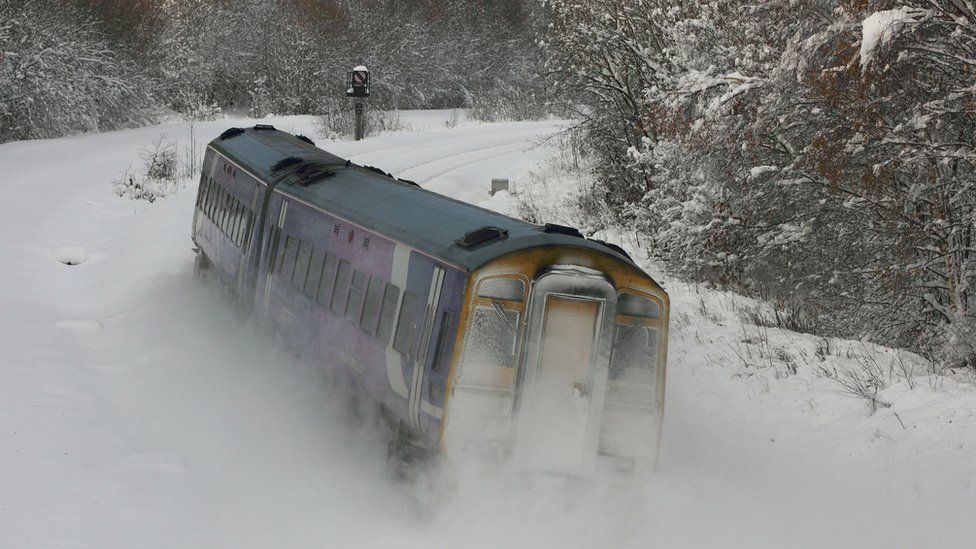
472, 332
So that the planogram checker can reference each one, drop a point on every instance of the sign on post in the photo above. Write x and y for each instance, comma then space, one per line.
357, 85
357, 82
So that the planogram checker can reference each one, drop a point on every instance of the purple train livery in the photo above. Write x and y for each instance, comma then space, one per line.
471, 331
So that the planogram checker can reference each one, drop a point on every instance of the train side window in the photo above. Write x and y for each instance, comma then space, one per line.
202, 194
245, 228
231, 215
241, 224
442, 345
388, 313
287, 267
219, 207
357, 295
214, 199
329, 270
406, 331
340, 296
224, 210
215, 206
301, 265
372, 305
211, 195
235, 222
314, 272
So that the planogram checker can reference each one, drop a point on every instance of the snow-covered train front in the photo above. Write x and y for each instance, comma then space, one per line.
474, 332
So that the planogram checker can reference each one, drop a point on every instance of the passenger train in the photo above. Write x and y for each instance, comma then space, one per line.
473, 332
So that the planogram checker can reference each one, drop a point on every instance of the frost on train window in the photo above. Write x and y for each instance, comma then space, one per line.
634, 354
635, 305
491, 340
511, 289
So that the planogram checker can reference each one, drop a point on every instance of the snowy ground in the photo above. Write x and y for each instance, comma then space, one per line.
138, 410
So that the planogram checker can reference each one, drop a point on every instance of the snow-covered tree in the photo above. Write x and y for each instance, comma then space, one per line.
58, 74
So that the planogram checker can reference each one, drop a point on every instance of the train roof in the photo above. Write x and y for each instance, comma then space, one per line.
453, 231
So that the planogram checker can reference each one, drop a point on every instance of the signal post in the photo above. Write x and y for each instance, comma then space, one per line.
357, 86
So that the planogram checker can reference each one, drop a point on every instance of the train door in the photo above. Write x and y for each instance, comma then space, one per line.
420, 369
245, 276
274, 237
564, 379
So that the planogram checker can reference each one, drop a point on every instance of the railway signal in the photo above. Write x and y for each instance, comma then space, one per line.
357, 85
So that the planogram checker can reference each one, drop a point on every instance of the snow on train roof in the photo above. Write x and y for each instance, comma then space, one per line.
427, 221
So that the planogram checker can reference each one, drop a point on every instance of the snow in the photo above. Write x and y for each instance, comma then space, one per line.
878, 28
140, 410
70, 255
756, 171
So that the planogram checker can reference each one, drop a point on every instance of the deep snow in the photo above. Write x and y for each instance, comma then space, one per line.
139, 410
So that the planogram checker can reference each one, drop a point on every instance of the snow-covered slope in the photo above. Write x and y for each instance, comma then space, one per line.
139, 410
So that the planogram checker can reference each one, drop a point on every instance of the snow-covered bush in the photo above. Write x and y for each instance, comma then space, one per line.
818, 154
160, 174
59, 74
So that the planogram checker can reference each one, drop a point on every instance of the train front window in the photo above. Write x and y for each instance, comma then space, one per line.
489, 355
634, 356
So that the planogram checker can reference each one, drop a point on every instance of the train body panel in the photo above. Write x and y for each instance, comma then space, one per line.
473, 330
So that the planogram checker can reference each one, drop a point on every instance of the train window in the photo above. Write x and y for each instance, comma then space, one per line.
357, 295
224, 211
301, 265
314, 272
202, 193
329, 269
341, 293
241, 222
211, 195
372, 305
390, 300
215, 207
406, 331
232, 217
245, 228
235, 221
442, 345
634, 354
489, 350
287, 266
214, 197
510, 289
635, 305
219, 207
